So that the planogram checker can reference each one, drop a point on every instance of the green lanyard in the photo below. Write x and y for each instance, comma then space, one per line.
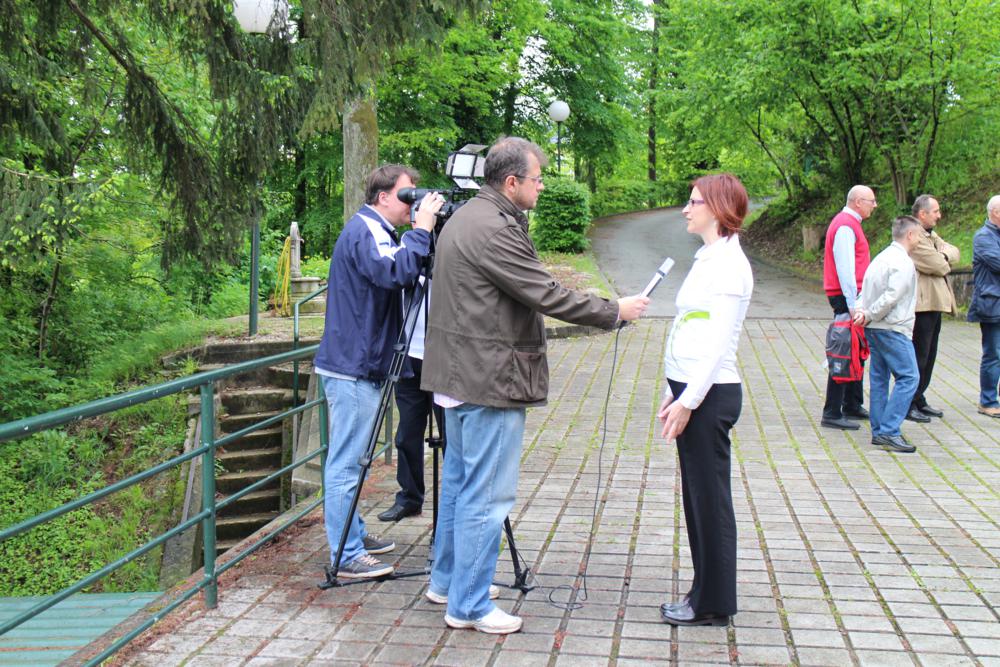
690, 315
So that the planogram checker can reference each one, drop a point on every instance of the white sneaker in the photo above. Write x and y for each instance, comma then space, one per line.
497, 622
437, 598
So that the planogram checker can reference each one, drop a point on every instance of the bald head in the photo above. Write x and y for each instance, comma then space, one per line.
861, 199
993, 210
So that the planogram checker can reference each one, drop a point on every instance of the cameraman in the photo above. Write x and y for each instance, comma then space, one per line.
368, 271
485, 361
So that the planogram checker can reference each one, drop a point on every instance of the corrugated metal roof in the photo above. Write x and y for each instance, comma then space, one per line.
57, 633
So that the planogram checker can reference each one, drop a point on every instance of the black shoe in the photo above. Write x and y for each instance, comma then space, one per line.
671, 607
915, 415
931, 412
857, 413
842, 423
684, 615
894, 443
397, 512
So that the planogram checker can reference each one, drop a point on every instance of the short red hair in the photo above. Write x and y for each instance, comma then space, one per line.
726, 198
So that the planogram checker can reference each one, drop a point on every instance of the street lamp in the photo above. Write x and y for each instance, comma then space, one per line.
255, 17
559, 111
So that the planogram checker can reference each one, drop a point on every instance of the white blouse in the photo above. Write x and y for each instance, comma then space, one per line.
711, 305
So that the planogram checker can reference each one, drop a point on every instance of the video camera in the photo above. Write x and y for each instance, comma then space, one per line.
464, 166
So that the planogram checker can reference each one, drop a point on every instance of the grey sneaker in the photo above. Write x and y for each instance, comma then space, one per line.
376, 545
365, 567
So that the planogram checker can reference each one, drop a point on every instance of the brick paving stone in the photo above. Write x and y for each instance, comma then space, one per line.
402, 654
231, 646
884, 659
462, 657
585, 645
823, 657
763, 655
288, 648
272, 661
510, 658
934, 644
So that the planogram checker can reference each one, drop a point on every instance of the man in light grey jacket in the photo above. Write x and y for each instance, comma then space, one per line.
886, 309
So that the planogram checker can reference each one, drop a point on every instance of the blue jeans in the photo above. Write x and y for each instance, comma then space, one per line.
891, 354
352, 410
989, 365
478, 485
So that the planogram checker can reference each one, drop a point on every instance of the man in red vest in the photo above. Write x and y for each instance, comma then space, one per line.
845, 260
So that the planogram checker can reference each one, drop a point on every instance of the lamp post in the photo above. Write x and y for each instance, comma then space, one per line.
255, 17
559, 111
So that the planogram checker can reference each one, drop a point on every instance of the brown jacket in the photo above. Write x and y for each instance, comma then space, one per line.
933, 258
485, 335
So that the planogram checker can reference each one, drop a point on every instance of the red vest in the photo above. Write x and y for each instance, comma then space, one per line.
862, 258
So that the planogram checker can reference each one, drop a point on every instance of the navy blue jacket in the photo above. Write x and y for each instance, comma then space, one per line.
368, 271
985, 304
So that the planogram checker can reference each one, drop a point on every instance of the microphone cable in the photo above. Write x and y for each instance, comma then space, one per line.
577, 603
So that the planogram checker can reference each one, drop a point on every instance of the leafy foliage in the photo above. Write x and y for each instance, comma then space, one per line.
562, 217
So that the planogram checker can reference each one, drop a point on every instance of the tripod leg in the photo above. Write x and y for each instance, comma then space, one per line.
520, 576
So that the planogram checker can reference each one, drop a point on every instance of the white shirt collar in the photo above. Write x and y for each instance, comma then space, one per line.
370, 211
706, 251
855, 214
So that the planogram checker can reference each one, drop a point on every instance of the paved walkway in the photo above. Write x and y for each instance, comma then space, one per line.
631, 246
848, 555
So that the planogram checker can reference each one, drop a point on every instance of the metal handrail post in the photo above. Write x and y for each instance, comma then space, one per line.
208, 492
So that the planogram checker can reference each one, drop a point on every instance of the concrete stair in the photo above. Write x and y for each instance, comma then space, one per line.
251, 399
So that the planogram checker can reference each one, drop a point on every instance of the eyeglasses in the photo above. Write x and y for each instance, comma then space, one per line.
695, 202
871, 201
536, 179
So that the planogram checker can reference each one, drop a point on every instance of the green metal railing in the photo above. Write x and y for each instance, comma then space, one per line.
386, 447
295, 341
205, 383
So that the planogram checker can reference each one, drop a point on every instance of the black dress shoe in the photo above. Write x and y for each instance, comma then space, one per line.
915, 415
671, 607
894, 443
842, 423
857, 413
931, 412
397, 512
684, 615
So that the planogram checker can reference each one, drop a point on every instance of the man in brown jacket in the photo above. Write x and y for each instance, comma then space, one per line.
933, 258
485, 361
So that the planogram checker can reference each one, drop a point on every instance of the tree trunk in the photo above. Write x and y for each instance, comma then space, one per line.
43, 318
509, 108
654, 82
360, 150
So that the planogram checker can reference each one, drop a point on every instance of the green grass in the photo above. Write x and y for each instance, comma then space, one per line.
586, 273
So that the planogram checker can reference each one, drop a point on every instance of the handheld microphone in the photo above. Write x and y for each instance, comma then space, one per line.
660, 274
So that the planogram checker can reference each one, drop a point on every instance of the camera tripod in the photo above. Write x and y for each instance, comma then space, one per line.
418, 300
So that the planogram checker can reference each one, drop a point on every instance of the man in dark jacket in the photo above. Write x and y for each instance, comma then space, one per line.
985, 305
485, 361
368, 272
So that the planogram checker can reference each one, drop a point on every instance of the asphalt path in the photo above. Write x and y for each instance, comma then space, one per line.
632, 246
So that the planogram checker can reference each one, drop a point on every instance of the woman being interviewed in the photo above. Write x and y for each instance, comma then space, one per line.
704, 396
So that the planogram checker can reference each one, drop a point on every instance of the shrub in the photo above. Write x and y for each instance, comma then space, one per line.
622, 196
562, 217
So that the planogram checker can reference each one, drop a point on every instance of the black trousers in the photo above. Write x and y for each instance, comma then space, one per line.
414, 406
926, 331
704, 450
841, 396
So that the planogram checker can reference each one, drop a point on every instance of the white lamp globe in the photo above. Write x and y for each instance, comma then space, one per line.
558, 111
254, 16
